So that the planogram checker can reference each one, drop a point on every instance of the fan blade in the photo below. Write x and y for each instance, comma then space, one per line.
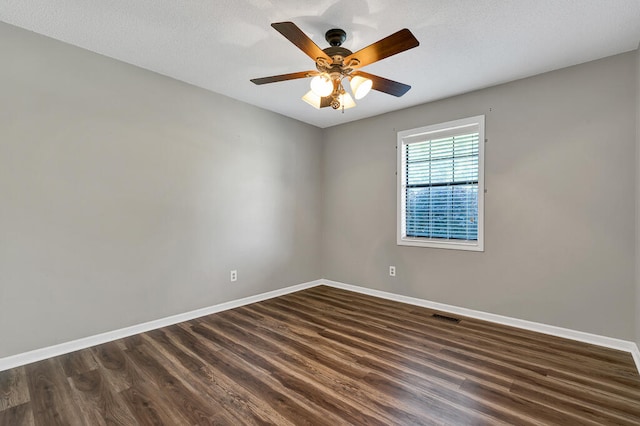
388, 46
283, 77
300, 39
385, 85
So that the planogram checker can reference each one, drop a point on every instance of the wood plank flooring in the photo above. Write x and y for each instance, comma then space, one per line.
325, 356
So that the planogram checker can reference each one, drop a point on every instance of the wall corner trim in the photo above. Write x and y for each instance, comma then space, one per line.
580, 336
24, 358
635, 353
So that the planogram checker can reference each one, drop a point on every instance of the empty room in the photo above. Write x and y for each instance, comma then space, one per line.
320, 213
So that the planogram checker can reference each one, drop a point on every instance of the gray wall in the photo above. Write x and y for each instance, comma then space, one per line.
126, 196
559, 212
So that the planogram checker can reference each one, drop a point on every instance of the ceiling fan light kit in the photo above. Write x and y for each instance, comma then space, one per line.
312, 99
322, 85
335, 63
360, 86
346, 101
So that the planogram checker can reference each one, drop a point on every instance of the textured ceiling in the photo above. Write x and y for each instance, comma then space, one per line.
219, 45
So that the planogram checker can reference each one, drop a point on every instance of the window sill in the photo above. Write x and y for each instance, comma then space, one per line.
442, 244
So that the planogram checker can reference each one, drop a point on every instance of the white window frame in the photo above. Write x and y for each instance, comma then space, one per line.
435, 131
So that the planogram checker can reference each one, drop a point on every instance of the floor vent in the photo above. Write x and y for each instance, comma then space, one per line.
446, 318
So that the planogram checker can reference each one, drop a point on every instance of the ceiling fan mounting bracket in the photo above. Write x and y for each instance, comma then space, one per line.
335, 37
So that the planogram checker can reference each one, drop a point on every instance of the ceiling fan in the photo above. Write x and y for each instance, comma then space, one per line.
336, 63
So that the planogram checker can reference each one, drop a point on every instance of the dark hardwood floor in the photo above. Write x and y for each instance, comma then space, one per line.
325, 356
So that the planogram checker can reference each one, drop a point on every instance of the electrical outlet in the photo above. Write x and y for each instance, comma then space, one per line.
234, 275
392, 271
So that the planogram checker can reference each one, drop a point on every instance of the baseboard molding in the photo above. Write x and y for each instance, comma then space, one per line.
594, 339
86, 342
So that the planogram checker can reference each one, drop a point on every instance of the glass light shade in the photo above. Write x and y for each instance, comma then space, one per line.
360, 86
312, 99
346, 101
322, 85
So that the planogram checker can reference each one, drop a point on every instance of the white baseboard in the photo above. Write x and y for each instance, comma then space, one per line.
86, 342
594, 339
83, 343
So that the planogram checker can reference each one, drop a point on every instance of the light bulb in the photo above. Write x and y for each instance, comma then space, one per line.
322, 85
360, 86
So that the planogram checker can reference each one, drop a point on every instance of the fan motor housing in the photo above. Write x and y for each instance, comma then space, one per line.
340, 51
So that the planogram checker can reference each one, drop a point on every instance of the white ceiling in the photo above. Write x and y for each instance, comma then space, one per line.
220, 44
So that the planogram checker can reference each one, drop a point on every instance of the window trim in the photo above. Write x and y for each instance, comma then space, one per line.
432, 132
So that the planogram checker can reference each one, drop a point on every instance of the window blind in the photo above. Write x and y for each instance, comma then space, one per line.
442, 188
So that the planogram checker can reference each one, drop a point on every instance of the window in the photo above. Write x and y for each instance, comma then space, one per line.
441, 185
